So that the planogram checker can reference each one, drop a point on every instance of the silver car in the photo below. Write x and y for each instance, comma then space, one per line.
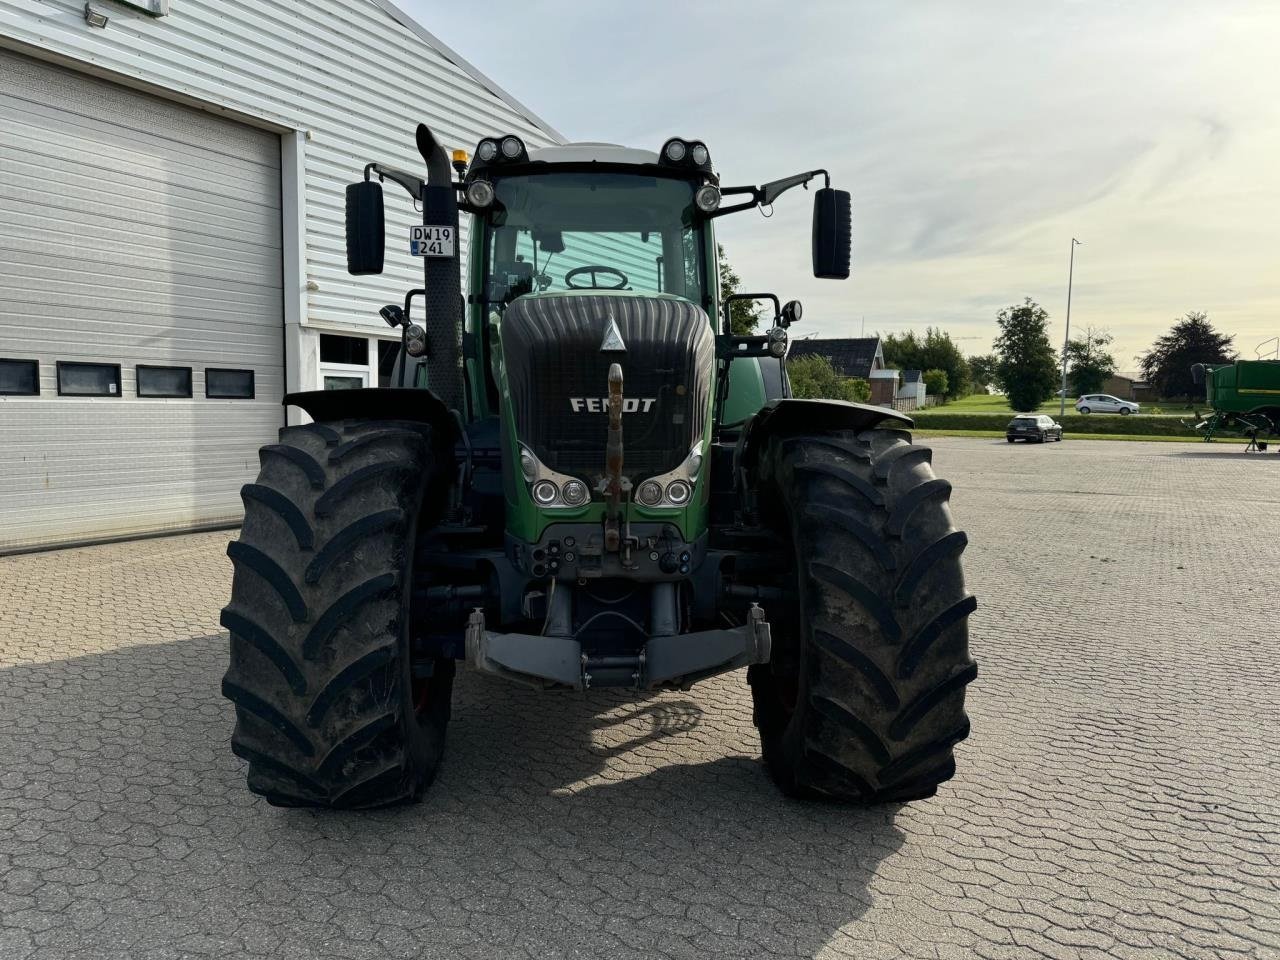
1105, 403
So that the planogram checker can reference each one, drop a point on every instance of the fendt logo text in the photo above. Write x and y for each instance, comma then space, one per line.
597, 405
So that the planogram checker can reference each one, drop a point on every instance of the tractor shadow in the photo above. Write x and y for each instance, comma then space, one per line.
657, 811
606, 825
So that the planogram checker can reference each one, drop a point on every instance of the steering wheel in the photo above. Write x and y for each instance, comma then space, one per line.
593, 269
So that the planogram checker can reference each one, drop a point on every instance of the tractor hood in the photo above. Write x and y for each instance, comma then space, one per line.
557, 350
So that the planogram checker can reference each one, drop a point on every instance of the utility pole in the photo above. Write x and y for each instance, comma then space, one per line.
1071, 269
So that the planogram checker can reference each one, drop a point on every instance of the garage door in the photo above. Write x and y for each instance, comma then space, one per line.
141, 315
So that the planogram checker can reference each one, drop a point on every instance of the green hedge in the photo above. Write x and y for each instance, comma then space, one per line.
1135, 425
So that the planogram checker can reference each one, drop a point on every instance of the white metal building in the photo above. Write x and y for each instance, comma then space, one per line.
171, 238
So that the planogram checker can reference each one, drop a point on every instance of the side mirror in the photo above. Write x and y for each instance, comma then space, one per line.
1197, 374
366, 228
832, 234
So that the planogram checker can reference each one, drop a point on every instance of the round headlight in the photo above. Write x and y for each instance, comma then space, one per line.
511, 147
678, 492
699, 154
415, 340
545, 492
480, 193
676, 151
707, 198
650, 493
528, 465
575, 493
487, 150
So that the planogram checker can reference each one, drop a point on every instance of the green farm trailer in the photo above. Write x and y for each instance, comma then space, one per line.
1244, 395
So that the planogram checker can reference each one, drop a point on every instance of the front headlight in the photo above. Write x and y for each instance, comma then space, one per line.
678, 492
511, 147
694, 463
575, 493
549, 488
528, 465
480, 193
650, 493
707, 198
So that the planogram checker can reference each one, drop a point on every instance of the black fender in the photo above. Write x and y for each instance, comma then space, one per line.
379, 403
793, 417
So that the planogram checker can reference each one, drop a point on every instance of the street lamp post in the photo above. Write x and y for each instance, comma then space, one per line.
1071, 269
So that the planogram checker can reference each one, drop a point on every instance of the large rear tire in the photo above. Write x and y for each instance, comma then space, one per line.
864, 698
330, 709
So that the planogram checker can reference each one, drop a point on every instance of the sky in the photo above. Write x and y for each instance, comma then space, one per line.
977, 139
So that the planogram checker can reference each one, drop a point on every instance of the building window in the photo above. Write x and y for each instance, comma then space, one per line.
88, 379
388, 351
221, 384
345, 362
164, 381
340, 382
19, 378
346, 351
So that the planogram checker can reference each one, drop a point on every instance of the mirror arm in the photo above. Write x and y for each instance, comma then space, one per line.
771, 191
736, 208
412, 185
765, 195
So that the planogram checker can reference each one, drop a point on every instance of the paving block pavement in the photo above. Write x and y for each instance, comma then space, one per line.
1118, 798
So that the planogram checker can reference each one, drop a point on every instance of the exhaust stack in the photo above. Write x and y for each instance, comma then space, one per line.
443, 308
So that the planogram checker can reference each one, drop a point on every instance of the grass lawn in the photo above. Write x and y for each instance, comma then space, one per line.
985, 403
926, 432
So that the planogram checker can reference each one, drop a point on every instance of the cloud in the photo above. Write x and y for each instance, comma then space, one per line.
977, 139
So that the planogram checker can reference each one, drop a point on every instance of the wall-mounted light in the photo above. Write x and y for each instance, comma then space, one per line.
95, 18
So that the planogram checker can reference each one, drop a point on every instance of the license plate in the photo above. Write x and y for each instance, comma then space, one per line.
429, 241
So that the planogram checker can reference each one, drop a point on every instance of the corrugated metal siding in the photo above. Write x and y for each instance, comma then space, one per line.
354, 75
132, 231
345, 70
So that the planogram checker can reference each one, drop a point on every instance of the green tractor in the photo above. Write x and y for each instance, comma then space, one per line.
584, 479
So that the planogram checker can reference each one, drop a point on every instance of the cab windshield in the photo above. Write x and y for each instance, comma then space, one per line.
551, 232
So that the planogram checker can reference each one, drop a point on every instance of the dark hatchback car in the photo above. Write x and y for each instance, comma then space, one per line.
1031, 427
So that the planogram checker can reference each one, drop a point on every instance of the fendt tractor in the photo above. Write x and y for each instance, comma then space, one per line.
584, 479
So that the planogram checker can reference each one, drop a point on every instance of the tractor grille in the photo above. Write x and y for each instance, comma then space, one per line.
559, 379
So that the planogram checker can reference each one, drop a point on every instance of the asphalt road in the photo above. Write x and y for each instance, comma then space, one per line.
1119, 796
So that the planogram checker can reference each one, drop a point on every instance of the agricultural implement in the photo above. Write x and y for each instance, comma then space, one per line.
583, 480
1245, 397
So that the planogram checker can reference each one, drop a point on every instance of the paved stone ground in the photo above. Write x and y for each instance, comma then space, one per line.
1120, 796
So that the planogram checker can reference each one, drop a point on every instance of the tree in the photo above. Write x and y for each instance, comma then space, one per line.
1167, 365
982, 371
934, 351
1089, 363
814, 378
1027, 364
744, 316
935, 382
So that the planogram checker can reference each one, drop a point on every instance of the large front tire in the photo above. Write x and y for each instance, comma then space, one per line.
864, 698
330, 710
